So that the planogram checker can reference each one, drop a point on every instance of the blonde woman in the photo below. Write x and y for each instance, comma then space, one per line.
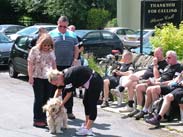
41, 58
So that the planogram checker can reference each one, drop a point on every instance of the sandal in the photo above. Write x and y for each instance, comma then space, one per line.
39, 124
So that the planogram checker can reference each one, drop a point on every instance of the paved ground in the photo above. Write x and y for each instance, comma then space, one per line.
171, 126
16, 101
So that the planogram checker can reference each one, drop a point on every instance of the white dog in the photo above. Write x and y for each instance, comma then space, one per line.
56, 115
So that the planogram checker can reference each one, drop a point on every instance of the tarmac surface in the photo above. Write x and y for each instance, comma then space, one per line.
16, 116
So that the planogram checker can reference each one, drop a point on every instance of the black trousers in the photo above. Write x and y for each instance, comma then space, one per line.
42, 92
69, 104
92, 95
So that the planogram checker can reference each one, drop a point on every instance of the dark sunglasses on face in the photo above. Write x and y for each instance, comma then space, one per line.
60, 26
168, 57
46, 45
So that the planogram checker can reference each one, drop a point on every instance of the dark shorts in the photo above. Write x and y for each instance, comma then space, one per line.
165, 90
178, 94
114, 81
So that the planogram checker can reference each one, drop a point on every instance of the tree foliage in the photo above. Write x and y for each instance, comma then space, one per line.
112, 23
169, 38
97, 18
48, 11
7, 13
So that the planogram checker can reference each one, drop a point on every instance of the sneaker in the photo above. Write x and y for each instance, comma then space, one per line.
115, 92
85, 132
153, 121
71, 116
81, 127
140, 115
126, 109
148, 116
131, 114
105, 104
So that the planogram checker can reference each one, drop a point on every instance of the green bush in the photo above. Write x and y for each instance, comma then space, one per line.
112, 23
169, 38
97, 18
94, 65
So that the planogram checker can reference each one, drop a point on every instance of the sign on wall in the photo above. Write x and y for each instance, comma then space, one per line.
158, 12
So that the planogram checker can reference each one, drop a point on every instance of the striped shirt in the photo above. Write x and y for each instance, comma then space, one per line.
64, 47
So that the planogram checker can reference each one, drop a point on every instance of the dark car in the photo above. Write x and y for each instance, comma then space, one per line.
99, 42
18, 55
8, 29
5, 48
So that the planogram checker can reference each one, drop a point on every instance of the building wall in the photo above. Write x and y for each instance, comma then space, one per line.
128, 13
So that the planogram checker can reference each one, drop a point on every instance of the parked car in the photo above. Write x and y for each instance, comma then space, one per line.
18, 56
31, 30
133, 41
121, 32
8, 29
147, 49
99, 42
5, 48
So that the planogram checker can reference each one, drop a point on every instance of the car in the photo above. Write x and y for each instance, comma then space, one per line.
147, 49
8, 29
5, 48
99, 42
18, 56
31, 30
121, 32
133, 41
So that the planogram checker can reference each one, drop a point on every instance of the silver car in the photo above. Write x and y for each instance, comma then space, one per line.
31, 30
133, 41
121, 32
8, 29
5, 48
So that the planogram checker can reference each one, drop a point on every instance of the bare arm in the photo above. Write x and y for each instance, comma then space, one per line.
30, 72
126, 73
66, 98
57, 93
155, 68
76, 52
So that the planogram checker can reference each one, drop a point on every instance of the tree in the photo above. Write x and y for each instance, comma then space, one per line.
7, 16
50, 10
169, 38
97, 18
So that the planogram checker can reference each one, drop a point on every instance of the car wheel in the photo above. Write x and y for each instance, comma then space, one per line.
12, 72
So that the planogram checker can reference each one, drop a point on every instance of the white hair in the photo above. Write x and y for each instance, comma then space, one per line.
52, 74
171, 52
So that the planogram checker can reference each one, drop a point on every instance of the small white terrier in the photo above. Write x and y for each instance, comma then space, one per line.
56, 115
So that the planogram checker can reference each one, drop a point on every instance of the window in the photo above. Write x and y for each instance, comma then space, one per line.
120, 32
93, 36
107, 35
21, 43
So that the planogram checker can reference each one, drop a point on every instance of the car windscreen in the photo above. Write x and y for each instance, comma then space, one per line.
81, 33
28, 31
4, 39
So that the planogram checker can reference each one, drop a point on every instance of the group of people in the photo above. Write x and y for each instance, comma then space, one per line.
54, 70
162, 78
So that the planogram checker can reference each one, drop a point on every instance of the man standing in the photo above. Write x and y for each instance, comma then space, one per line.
66, 52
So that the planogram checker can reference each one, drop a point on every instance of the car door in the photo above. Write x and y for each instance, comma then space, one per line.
110, 42
92, 43
20, 53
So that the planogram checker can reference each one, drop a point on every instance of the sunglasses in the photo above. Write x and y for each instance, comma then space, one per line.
46, 45
60, 26
168, 57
